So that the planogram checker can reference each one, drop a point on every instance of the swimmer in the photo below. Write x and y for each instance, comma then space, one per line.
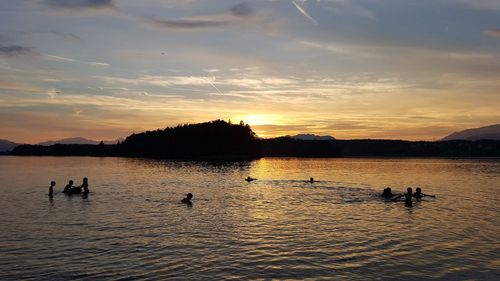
387, 193
51, 188
249, 179
85, 186
68, 187
188, 198
311, 180
408, 195
418, 193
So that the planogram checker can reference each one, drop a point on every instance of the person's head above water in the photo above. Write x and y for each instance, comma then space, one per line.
387, 192
70, 182
409, 190
418, 190
187, 200
52, 183
85, 180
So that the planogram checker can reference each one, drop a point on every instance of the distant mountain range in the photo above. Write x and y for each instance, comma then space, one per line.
311, 137
489, 132
6, 145
77, 140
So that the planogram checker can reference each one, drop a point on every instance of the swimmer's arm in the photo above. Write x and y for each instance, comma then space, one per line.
428, 195
397, 197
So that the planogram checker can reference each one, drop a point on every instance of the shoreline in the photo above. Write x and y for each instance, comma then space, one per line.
263, 157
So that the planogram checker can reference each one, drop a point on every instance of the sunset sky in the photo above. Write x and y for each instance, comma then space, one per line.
103, 69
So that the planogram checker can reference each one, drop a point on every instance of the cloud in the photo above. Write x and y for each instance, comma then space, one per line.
493, 5
242, 10
330, 47
492, 33
14, 50
281, 130
240, 82
64, 35
19, 86
71, 4
236, 14
187, 24
52, 93
79, 8
342, 7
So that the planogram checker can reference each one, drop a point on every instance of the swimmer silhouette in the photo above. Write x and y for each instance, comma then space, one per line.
387, 193
85, 186
188, 198
418, 193
51, 189
249, 179
68, 187
408, 195
311, 180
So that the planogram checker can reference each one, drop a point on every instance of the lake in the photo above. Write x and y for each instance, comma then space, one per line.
133, 226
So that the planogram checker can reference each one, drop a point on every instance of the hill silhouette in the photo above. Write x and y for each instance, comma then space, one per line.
401, 148
76, 140
6, 145
292, 147
311, 137
289, 147
491, 132
222, 141
214, 140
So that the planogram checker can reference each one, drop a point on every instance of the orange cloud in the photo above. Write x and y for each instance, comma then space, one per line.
492, 33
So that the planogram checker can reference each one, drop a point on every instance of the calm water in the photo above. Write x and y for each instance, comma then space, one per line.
132, 225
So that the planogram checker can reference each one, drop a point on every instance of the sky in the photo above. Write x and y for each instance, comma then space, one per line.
393, 69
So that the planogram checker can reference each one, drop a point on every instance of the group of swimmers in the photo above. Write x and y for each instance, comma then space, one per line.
84, 188
70, 189
387, 193
418, 194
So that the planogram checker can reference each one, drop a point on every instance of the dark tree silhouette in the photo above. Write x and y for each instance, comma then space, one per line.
215, 140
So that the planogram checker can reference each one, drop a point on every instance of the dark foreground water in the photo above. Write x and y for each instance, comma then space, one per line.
132, 225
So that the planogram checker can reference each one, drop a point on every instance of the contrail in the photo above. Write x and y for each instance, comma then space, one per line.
213, 85
303, 12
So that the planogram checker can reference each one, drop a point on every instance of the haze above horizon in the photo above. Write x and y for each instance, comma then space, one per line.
103, 69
